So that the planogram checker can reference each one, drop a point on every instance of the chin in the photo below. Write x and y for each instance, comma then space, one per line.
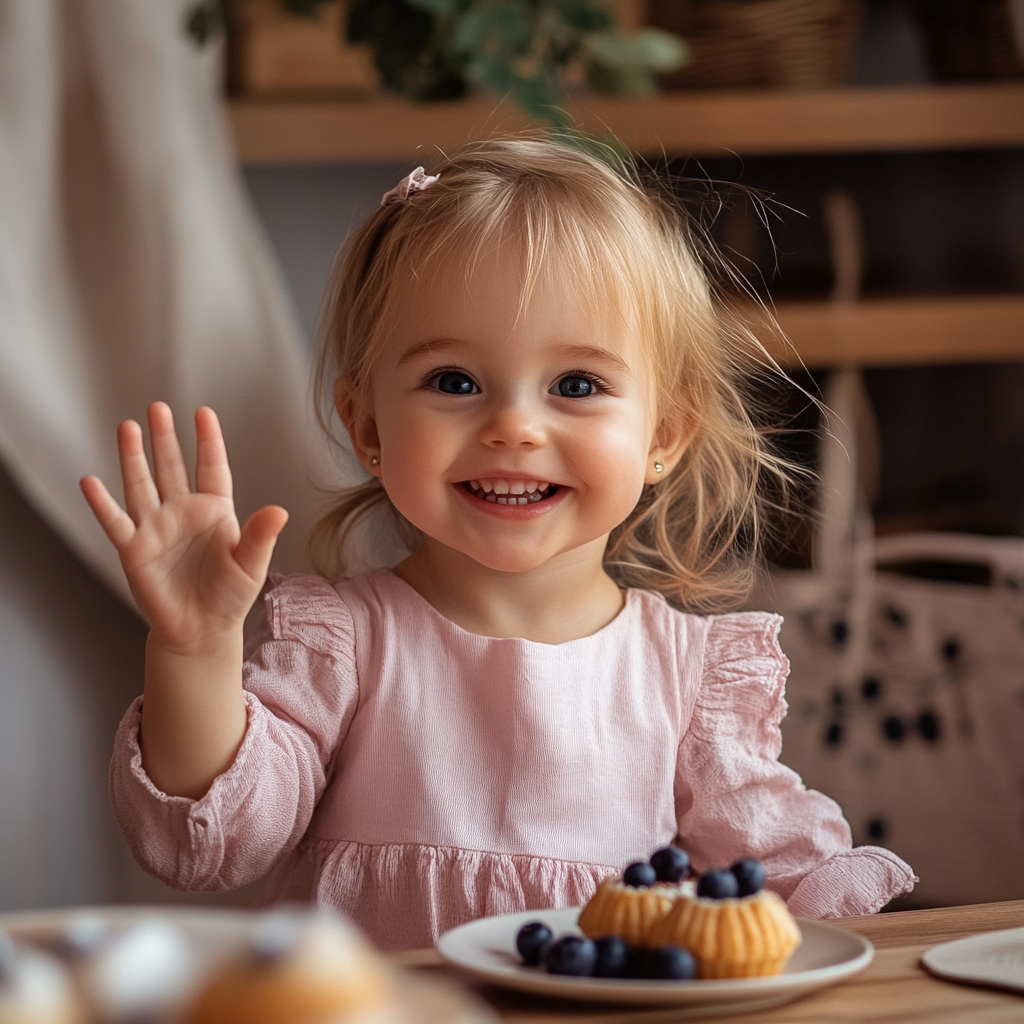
510, 561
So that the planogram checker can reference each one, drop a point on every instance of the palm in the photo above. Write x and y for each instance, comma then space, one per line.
192, 570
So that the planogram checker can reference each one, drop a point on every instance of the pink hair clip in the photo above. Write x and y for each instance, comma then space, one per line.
415, 182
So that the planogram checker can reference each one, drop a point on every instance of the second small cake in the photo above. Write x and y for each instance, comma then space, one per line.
736, 937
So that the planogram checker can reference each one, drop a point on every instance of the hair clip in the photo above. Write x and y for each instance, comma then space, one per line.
417, 181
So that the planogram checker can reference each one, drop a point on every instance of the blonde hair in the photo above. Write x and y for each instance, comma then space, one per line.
618, 238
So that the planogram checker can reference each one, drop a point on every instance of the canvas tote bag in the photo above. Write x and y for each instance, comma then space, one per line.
906, 692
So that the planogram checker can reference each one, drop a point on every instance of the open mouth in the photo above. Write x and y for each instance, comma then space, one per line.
510, 492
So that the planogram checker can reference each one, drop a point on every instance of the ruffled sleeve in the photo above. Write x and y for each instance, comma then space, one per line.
301, 693
735, 799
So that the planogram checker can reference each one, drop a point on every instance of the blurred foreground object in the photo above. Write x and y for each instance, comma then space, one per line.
289, 965
780, 44
132, 268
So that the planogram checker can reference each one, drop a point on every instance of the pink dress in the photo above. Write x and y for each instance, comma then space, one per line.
415, 776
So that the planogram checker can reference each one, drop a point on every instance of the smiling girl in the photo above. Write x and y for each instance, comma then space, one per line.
530, 365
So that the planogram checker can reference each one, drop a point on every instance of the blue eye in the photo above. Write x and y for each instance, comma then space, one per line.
452, 382
575, 386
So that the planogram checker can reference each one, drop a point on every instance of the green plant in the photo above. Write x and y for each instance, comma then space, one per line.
529, 50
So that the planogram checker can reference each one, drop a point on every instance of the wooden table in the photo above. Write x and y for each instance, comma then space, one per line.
895, 988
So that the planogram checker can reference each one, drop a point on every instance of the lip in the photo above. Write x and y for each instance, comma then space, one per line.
513, 512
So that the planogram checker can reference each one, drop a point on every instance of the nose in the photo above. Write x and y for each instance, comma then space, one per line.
513, 422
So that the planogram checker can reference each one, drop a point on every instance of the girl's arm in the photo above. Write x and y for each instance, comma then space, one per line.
735, 799
194, 575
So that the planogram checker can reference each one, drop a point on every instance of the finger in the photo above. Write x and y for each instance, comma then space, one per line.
259, 536
213, 474
116, 523
168, 463
140, 493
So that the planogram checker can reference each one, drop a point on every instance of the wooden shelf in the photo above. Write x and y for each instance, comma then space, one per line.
900, 332
698, 123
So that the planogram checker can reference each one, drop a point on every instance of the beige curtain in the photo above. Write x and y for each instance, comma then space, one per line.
132, 268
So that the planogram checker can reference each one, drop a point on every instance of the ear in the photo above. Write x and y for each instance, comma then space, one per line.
356, 412
669, 445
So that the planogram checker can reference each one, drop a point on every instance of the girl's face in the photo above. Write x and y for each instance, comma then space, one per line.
511, 435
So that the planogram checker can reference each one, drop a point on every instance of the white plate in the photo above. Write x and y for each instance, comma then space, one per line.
486, 949
994, 958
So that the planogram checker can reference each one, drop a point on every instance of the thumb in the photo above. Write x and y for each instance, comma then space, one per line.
256, 543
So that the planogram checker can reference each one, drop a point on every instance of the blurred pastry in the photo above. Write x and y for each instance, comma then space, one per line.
299, 968
34, 988
144, 971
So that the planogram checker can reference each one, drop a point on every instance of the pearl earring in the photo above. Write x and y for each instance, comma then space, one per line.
374, 460
658, 467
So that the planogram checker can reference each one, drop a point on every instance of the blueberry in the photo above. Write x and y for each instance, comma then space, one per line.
670, 864
668, 962
531, 940
276, 936
571, 954
639, 875
718, 885
612, 957
749, 876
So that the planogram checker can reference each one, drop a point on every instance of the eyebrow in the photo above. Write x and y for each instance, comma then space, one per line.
588, 352
426, 347
581, 352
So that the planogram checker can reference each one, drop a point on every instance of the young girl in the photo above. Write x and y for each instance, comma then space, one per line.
529, 363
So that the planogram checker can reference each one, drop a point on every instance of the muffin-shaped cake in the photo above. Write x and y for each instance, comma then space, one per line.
298, 969
34, 988
631, 905
142, 971
732, 926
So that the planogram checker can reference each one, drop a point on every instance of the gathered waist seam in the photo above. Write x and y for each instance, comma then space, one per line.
456, 850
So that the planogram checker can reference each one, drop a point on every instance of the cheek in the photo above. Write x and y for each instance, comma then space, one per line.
616, 456
415, 453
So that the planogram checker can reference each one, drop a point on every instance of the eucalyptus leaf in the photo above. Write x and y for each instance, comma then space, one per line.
444, 8
204, 20
650, 49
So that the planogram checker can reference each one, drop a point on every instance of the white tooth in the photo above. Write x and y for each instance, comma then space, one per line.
502, 500
517, 487
491, 498
485, 485
523, 501
500, 486
531, 486
474, 485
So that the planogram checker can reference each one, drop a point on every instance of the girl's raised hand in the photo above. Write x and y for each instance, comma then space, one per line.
193, 572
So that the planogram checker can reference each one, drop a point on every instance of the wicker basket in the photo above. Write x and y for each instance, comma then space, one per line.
782, 44
970, 39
